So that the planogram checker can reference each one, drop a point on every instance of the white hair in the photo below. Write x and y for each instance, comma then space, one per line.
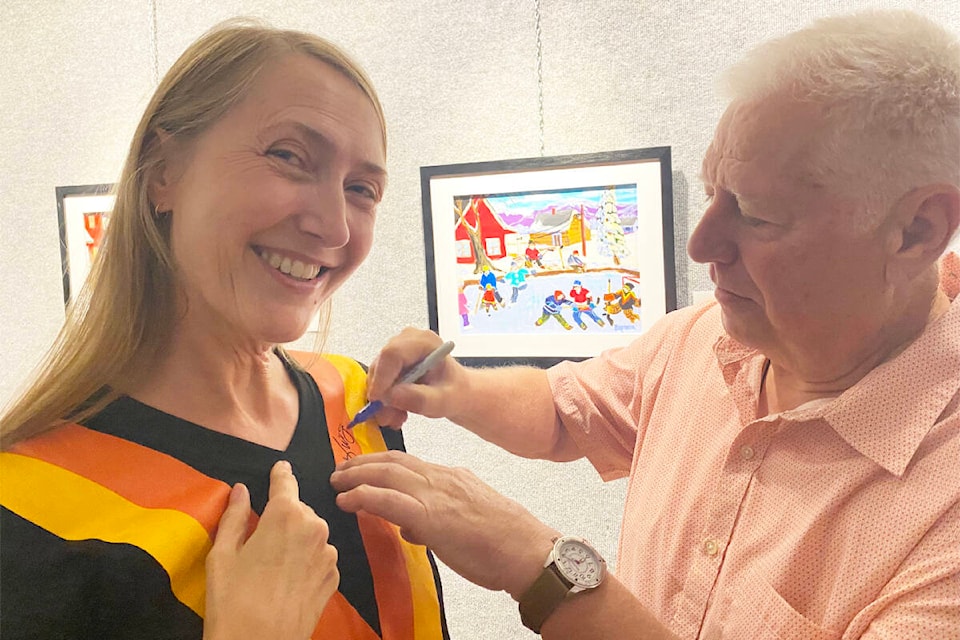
889, 86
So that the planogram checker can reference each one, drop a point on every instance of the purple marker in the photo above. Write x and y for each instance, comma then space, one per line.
414, 375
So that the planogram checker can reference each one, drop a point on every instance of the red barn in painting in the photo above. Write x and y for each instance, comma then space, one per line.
480, 219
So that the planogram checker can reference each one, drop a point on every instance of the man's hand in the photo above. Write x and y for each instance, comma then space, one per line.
276, 583
431, 396
487, 538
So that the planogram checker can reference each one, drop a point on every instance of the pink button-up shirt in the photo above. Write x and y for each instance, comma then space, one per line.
838, 519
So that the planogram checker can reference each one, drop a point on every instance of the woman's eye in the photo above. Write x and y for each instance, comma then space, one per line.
364, 190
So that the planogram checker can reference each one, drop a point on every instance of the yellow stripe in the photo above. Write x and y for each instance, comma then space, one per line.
63, 503
355, 397
426, 602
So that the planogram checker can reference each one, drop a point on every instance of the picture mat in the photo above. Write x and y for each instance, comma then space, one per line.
648, 245
77, 255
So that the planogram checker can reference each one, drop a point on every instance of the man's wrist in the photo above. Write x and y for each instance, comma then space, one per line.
530, 566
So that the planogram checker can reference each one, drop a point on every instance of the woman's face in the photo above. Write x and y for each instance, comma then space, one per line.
273, 207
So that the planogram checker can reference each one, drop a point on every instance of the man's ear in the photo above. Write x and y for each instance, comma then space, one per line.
161, 176
926, 219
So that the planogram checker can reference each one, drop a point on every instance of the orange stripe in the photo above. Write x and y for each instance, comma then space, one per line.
75, 508
132, 471
427, 619
340, 618
381, 540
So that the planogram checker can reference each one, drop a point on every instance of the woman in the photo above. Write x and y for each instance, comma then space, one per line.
248, 196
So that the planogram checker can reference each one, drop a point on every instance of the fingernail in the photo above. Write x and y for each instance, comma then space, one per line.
285, 466
235, 492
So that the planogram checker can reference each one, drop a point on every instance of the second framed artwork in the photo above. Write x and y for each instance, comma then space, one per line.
540, 260
83, 214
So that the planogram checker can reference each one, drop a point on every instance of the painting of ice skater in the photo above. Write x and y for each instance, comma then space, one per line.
560, 261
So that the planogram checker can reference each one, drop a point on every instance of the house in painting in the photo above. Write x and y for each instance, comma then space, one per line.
478, 223
560, 228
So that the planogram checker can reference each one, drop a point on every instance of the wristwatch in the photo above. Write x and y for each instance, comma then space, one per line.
572, 566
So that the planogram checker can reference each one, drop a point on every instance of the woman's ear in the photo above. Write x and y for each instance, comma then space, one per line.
160, 173
926, 220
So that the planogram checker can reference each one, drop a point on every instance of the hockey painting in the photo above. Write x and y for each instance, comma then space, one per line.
559, 260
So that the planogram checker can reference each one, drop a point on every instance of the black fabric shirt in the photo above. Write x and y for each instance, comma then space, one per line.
54, 588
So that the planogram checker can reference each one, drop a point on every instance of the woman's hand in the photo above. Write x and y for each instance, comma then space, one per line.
276, 583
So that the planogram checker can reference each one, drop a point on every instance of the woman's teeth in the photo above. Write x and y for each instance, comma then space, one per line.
290, 267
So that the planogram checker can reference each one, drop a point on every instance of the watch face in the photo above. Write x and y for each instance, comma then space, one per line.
579, 563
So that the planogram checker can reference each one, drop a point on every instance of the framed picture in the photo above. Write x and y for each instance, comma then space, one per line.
84, 214
540, 260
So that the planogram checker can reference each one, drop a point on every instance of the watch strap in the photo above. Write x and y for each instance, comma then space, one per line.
542, 598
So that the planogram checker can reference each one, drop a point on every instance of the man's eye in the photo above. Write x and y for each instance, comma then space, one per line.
287, 156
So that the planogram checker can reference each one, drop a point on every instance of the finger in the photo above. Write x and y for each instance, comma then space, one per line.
396, 457
391, 417
401, 352
232, 529
387, 475
401, 509
422, 399
283, 484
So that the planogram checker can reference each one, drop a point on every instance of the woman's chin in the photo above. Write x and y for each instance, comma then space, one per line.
288, 331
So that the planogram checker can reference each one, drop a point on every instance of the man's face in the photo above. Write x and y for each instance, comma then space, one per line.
794, 277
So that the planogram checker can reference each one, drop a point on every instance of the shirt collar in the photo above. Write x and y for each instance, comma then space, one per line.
886, 415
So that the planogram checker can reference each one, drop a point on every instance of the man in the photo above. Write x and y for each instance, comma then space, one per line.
517, 279
575, 262
583, 305
488, 280
533, 255
552, 308
793, 446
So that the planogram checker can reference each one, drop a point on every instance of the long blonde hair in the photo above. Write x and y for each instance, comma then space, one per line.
124, 315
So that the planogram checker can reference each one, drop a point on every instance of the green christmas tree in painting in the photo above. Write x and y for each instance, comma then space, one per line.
610, 232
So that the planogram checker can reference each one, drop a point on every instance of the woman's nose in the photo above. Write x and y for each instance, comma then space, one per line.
325, 214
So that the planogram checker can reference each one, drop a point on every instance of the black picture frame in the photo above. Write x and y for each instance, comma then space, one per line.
616, 207
75, 205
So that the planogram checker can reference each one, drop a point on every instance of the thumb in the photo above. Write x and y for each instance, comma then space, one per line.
232, 530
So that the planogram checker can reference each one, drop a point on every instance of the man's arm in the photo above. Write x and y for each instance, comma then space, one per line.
511, 407
487, 538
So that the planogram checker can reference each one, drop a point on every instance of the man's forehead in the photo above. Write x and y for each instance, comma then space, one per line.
768, 136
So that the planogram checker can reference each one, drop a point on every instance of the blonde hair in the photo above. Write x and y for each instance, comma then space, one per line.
889, 84
124, 315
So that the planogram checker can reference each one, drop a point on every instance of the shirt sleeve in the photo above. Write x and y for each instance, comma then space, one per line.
603, 403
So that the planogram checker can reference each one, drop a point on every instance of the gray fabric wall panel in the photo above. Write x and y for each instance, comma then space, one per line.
459, 83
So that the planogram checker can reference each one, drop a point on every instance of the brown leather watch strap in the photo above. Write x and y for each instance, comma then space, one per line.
542, 598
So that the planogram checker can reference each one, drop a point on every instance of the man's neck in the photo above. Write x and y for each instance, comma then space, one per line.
784, 388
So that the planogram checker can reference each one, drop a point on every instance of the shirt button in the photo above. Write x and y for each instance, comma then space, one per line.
746, 452
710, 547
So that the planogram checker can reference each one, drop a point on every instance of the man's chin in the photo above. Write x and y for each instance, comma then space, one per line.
745, 330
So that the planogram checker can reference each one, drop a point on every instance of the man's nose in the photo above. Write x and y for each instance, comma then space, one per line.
712, 238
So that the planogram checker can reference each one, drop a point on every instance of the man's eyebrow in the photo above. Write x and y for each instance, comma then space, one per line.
317, 139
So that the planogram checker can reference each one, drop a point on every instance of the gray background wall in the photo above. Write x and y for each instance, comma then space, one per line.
459, 83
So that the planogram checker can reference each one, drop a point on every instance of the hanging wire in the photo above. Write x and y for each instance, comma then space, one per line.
156, 46
536, 5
